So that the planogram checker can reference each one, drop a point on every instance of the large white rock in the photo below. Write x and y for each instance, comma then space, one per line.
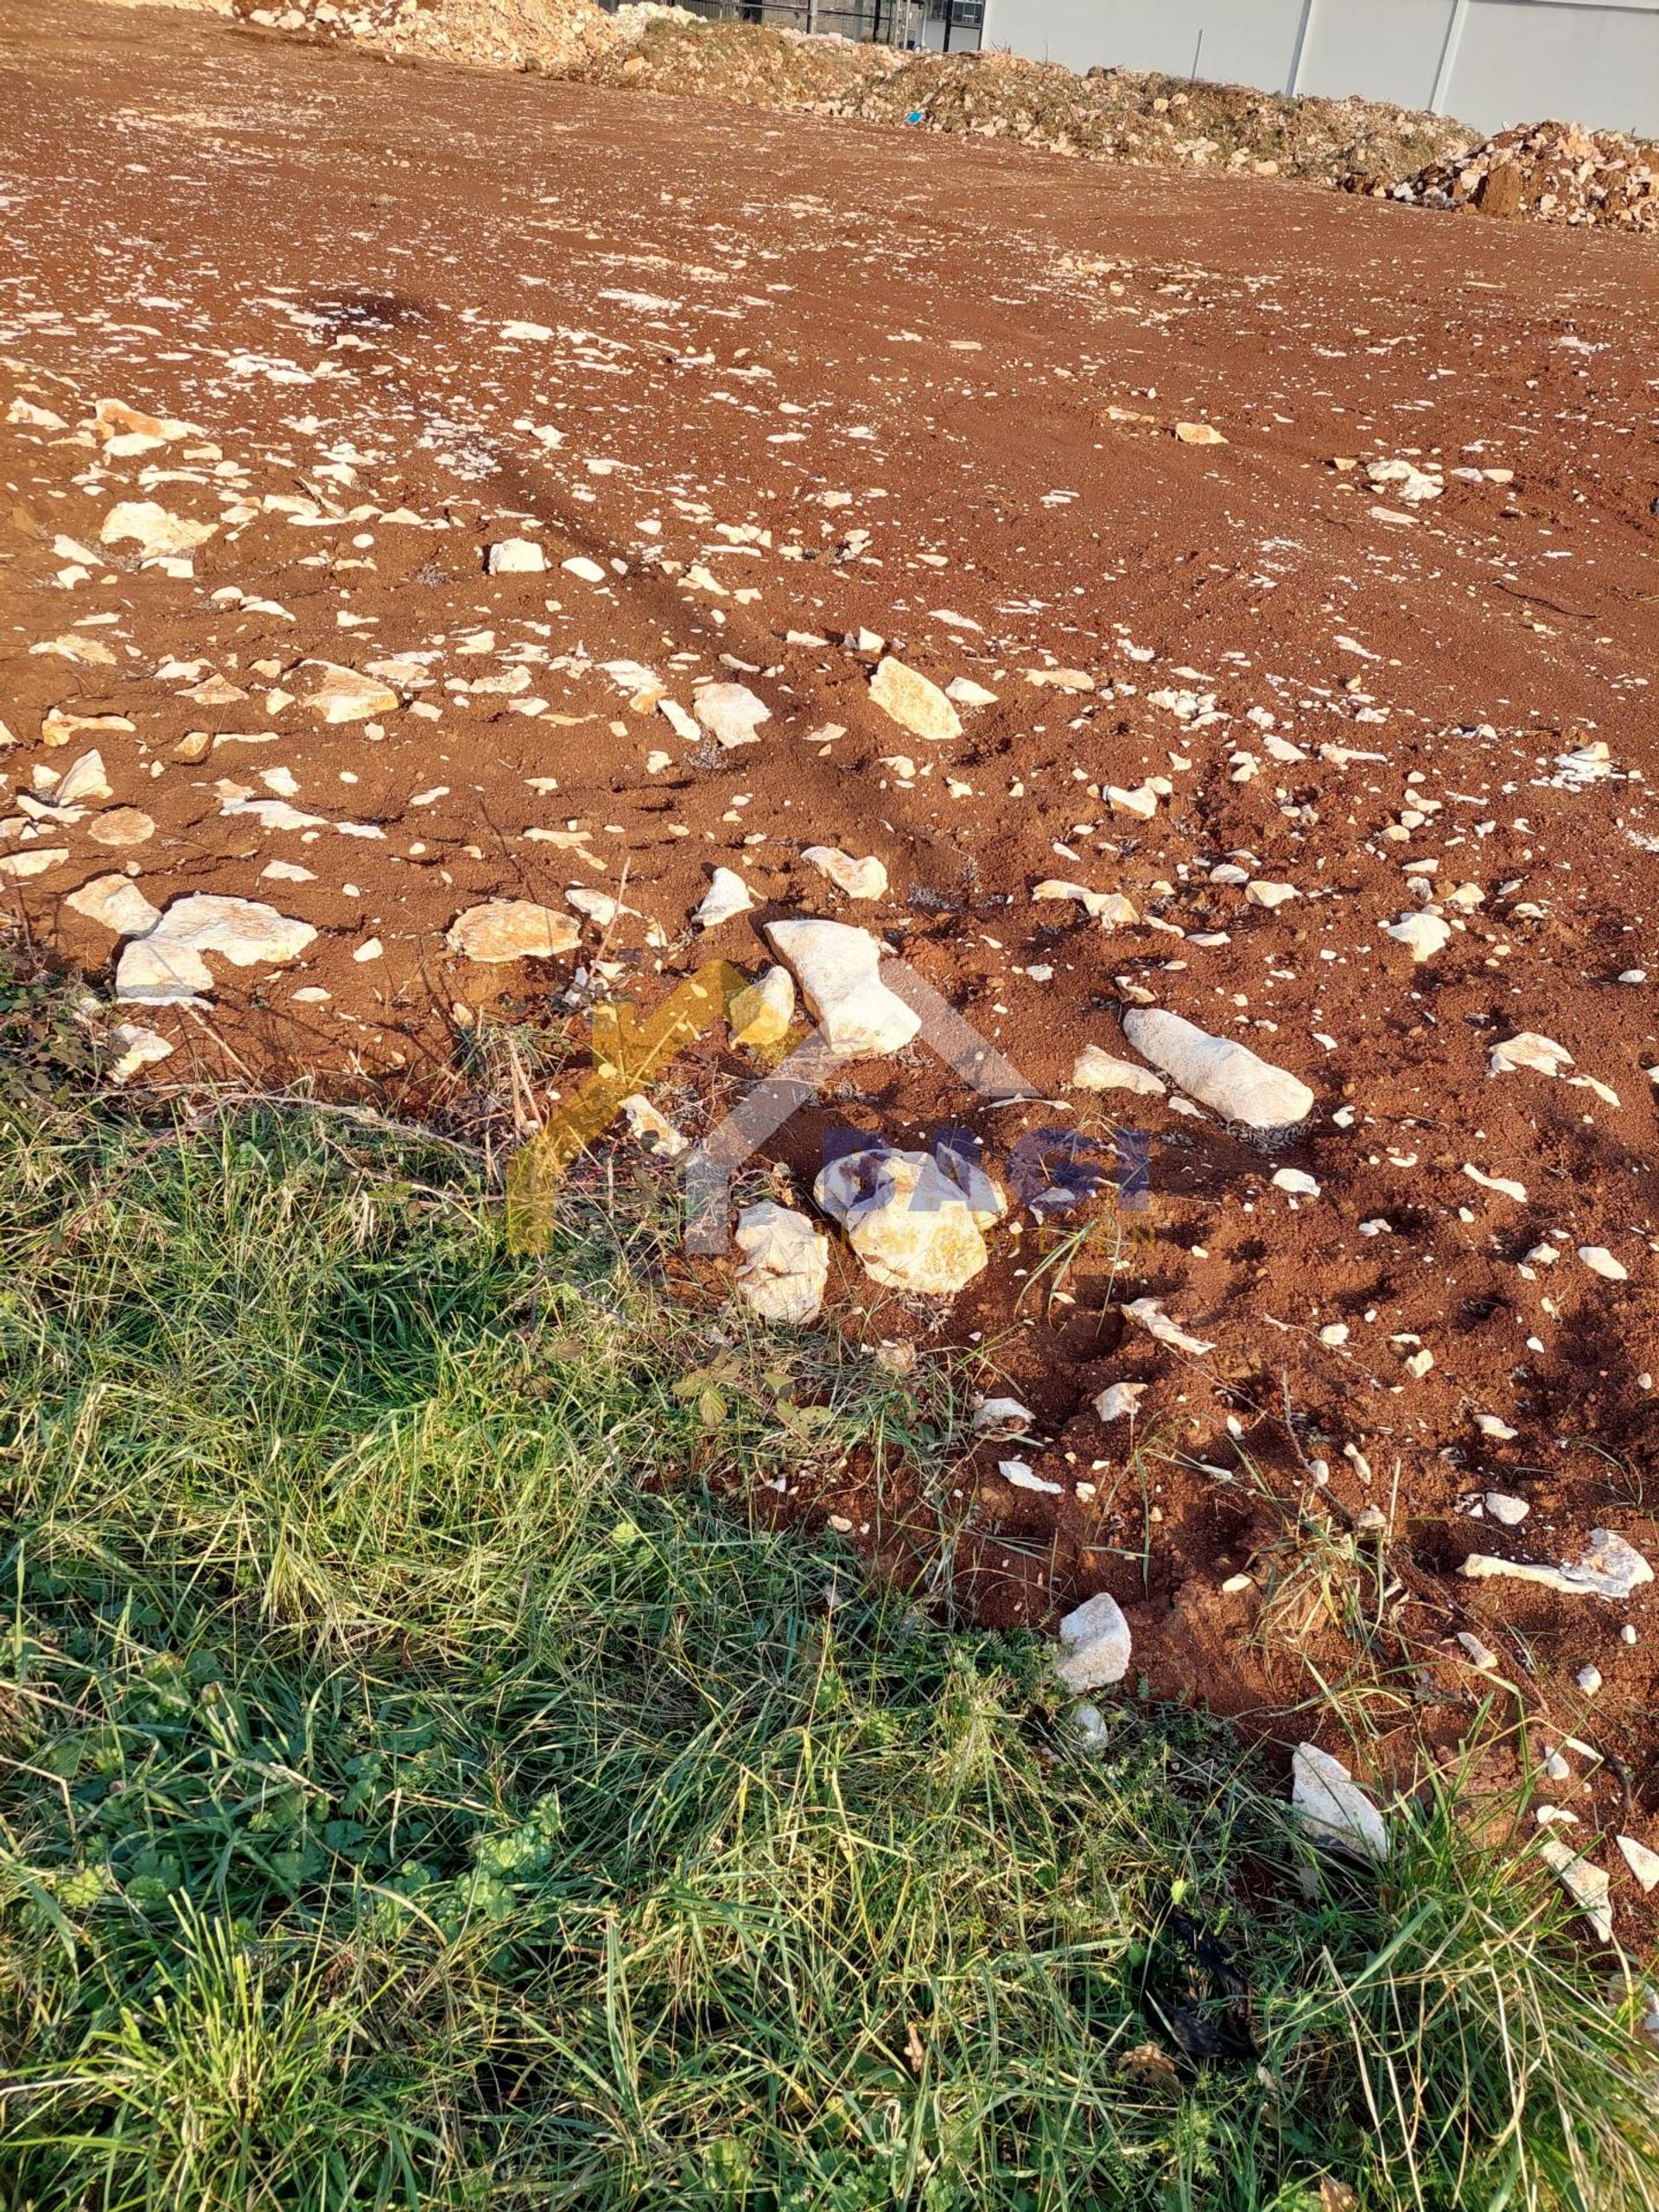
910, 1225
730, 713
914, 702
865, 879
1095, 1646
516, 556
153, 528
168, 966
1608, 1568
340, 695
511, 929
1332, 1808
785, 1263
1220, 1074
837, 968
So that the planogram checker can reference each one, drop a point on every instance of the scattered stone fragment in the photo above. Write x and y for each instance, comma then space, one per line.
1095, 1068
838, 970
1147, 1313
136, 1048
35, 860
1296, 1181
730, 713
511, 929
1642, 1862
760, 1016
1586, 1885
651, 1131
1600, 1262
1589, 1680
910, 1225
1226, 1077
1108, 907
865, 879
1608, 1568
1426, 933
516, 556
1529, 1049
1095, 1645
785, 1263
1199, 434
1119, 1400
914, 702
122, 826
1329, 1804
1005, 1414
340, 695
728, 895
1019, 1475
1509, 1511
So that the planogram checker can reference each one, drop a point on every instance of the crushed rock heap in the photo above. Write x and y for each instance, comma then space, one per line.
1545, 173
1104, 114
556, 35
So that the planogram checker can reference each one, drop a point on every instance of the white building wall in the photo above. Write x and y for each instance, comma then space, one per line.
1489, 62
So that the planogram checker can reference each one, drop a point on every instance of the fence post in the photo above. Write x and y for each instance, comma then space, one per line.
1299, 51
1437, 98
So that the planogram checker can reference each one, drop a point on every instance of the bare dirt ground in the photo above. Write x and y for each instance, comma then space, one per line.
777, 384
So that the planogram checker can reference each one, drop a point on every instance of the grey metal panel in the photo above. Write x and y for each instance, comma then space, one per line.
1590, 61
1248, 42
1382, 49
1519, 61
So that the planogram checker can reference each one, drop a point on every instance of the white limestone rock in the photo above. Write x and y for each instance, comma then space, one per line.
914, 702
728, 895
341, 695
1330, 1807
912, 1226
168, 966
760, 1015
1226, 1077
730, 713
516, 556
1095, 1645
1608, 1568
785, 1263
865, 878
1095, 1068
150, 526
115, 902
838, 970
511, 929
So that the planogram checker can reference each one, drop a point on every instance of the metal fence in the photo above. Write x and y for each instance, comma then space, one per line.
952, 25
1489, 62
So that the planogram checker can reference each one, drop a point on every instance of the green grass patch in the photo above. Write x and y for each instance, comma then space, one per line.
420, 1788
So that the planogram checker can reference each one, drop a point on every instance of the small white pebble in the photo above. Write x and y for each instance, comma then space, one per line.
1588, 1680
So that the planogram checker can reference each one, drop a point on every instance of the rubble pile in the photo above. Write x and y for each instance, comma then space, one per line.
1544, 173
556, 35
1104, 114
